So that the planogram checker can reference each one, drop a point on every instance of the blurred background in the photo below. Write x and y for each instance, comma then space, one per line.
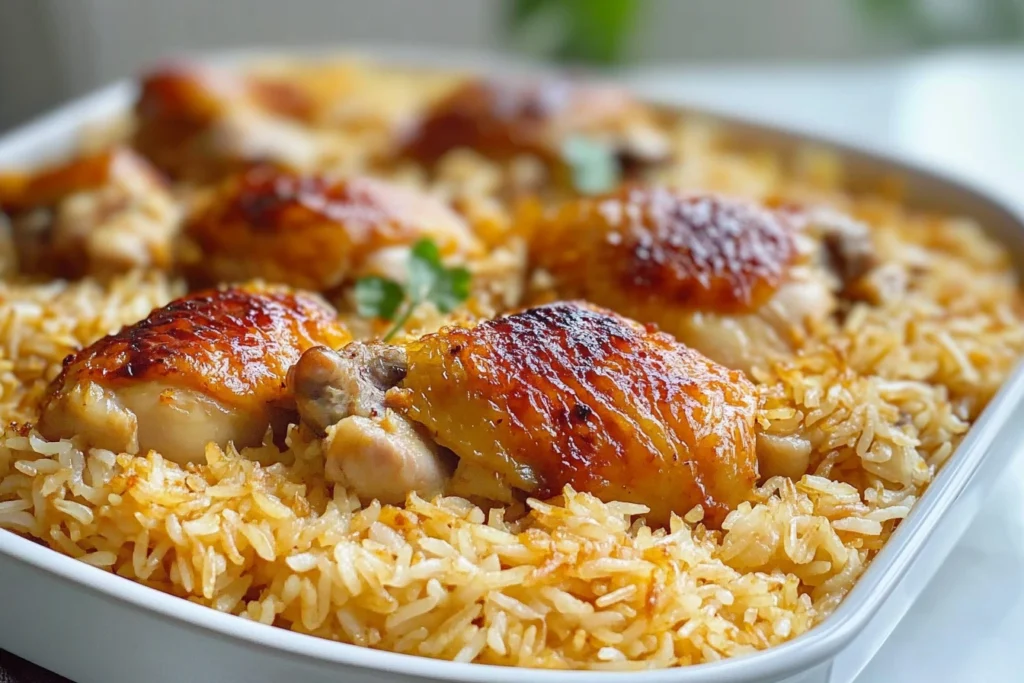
937, 81
53, 49
940, 81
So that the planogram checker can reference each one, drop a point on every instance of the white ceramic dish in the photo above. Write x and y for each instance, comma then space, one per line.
90, 625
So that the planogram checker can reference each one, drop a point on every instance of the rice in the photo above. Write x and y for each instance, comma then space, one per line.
439, 579
874, 404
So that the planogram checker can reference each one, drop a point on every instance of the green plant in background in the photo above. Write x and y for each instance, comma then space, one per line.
577, 31
929, 23
599, 32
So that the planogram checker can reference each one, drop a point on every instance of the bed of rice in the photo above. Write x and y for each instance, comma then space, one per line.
883, 397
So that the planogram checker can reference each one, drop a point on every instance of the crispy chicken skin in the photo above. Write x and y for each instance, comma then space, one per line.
208, 367
306, 93
310, 92
52, 184
730, 278
504, 118
315, 232
100, 214
175, 108
572, 394
199, 123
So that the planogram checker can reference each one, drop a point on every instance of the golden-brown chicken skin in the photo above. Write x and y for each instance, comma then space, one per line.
104, 213
207, 367
730, 278
49, 185
308, 91
199, 123
316, 232
573, 394
195, 95
175, 108
501, 119
303, 92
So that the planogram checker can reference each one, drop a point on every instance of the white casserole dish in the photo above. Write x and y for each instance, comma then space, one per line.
90, 625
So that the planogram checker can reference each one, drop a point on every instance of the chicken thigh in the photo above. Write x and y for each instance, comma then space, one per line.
200, 123
501, 119
209, 367
369, 448
98, 215
564, 394
732, 279
316, 232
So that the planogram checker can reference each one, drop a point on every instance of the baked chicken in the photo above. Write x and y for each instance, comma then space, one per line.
505, 118
97, 215
563, 394
199, 123
209, 367
316, 232
374, 450
736, 281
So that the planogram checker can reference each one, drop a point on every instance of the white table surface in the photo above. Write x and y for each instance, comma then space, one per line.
962, 112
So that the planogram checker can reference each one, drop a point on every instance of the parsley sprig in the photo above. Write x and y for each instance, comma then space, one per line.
429, 280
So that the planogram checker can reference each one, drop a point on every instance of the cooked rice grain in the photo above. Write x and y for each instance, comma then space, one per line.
442, 579
876, 403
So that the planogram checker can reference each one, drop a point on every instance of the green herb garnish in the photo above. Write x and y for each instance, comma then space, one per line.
429, 281
593, 164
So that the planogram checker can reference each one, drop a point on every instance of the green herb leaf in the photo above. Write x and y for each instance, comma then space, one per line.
595, 168
429, 281
425, 268
378, 297
451, 289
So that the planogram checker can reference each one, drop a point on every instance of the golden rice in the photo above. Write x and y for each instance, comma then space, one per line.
882, 399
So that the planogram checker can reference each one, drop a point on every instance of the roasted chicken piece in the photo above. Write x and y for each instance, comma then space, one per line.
209, 367
369, 447
847, 252
200, 123
317, 93
316, 232
732, 279
101, 214
561, 394
505, 118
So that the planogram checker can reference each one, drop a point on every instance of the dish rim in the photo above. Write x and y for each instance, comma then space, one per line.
817, 645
